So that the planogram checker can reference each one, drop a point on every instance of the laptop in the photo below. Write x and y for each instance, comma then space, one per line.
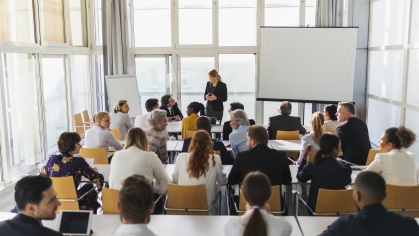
75, 222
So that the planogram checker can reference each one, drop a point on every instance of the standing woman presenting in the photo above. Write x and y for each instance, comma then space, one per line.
216, 94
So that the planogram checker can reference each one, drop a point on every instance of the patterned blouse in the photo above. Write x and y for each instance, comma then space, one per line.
157, 143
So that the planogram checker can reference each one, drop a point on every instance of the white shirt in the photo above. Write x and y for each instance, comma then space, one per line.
234, 226
331, 124
136, 161
214, 174
306, 140
97, 137
397, 167
121, 121
133, 230
141, 121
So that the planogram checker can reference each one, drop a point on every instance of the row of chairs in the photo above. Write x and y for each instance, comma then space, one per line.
82, 122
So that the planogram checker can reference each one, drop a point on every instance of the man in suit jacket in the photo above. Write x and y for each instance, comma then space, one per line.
284, 121
170, 106
227, 128
36, 200
353, 135
373, 218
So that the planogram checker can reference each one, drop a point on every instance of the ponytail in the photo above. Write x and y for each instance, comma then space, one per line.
317, 121
400, 137
219, 78
328, 142
256, 225
318, 157
214, 73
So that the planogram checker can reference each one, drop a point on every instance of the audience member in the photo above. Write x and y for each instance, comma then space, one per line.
189, 123
170, 106
36, 200
65, 164
284, 121
353, 134
156, 139
313, 138
395, 165
326, 172
141, 121
256, 189
226, 127
203, 123
331, 120
372, 219
135, 206
200, 166
120, 118
240, 124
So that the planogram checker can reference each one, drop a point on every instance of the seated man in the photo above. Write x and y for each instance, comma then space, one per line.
240, 124
227, 128
170, 106
136, 203
284, 121
373, 218
36, 200
141, 121
203, 123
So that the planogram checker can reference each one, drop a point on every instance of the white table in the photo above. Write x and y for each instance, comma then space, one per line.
6, 215
286, 145
169, 168
174, 126
315, 225
171, 145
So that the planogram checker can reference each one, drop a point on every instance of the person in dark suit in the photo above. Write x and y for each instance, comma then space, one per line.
284, 121
170, 106
215, 94
36, 200
226, 127
353, 135
373, 218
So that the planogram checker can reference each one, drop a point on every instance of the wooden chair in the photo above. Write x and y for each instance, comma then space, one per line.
274, 201
190, 133
218, 152
287, 135
86, 120
78, 125
311, 156
116, 133
110, 198
189, 200
332, 131
402, 199
371, 156
98, 154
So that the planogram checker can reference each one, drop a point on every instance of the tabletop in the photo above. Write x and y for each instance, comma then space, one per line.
314, 225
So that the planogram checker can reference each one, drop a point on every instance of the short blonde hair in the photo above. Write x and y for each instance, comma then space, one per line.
136, 137
99, 116
118, 105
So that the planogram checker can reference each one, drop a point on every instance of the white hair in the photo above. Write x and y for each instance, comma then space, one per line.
156, 116
241, 116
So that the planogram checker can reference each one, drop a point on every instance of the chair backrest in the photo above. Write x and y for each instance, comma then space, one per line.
110, 198
78, 124
190, 133
311, 156
402, 198
218, 152
287, 135
98, 154
86, 119
335, 202
371, 155
64, 186
274, 201
187, 197
332, 131
116, 133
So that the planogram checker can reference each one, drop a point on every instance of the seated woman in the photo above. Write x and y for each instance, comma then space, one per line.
189, 123
120, 118
395, 165
313, 138
327, 171
330, 116
99, 135
156, 138
200, 166
256, 189
65, 164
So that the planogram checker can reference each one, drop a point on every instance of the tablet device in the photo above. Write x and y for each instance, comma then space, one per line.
75, 222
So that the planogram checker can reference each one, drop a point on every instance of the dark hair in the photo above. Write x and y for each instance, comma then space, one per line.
256, 190
350, 107
331, 111
401, 137
151, 103
258, 133
165, 99
67, 141
197, 107
285, 108
327, 143
203, 123
236, 105
371, 185
29, 190
136, 198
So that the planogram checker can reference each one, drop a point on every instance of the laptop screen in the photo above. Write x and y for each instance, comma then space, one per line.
75, 222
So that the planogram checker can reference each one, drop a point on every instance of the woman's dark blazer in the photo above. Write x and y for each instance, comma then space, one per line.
220, 92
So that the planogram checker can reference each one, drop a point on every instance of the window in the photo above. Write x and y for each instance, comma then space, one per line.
17, 21
152, 23
412, 118
195, 22
414, 26
80, 82
237, 22
413, 78
52, 14
310, 13
77, 15
282, 13
99, 83
98, 22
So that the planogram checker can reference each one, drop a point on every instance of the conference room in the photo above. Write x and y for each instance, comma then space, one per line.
63, 61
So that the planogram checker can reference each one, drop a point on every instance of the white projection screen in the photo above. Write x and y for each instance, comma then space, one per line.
307, 64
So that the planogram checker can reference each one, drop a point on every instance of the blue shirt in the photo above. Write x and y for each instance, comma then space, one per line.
226, 158
238, 140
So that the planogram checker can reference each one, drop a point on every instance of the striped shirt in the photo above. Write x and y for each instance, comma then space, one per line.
157, 144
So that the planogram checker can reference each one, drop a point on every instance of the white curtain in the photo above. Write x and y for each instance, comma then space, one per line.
332, 13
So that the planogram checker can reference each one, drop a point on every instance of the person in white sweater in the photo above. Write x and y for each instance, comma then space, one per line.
200, 166
256, 189
120, 118
397, 166
331, 122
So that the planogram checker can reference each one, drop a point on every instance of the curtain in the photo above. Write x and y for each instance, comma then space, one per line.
332, 13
